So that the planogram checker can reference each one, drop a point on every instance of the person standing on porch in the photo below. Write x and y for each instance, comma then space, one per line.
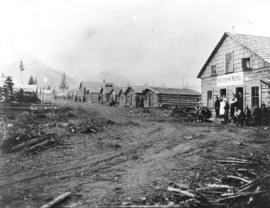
221, 107
234, 103
240, 101
226, 110
217, 106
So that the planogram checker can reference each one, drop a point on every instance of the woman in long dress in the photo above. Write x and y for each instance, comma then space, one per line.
221, 107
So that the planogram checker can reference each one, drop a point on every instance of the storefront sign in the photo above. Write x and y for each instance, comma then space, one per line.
230, 79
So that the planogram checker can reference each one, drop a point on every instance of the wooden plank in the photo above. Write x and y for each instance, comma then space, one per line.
57, 200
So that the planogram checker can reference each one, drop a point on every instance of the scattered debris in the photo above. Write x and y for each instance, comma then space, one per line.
245, 192
57, 200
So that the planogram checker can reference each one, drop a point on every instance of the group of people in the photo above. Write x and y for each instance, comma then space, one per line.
234, 111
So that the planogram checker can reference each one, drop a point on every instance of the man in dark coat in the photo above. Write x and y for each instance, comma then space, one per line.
226, 110
265, 116
217, 105
247, 116
257, 115
240, 101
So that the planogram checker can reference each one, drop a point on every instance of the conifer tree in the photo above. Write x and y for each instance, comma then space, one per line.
31, 80
8, 89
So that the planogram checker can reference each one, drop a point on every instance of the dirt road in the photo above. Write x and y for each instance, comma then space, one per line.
128, 159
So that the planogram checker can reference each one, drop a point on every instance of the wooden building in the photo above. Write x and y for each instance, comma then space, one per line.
87, 92
239, 64
166, 97
134, 96
114, 95
122, 97
105, 92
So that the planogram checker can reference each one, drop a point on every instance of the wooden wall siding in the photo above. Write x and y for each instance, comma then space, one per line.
93, 97
154, 101
239, 52
159, 100
180, 100
123, 100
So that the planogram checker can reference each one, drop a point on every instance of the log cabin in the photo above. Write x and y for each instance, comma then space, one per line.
87, 92
105, 92
170, 97
114, 95
122, 97
239, 64
93, 97
134, 96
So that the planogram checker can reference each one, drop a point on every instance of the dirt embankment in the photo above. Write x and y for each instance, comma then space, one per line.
127, 158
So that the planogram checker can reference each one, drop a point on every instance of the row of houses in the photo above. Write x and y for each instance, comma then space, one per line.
139, 96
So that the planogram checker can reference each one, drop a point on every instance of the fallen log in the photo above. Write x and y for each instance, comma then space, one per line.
218, 186
57, 200
238, 178
235, 161
149, 206
39, 145
239, 195
246, 172
31, 142
254, 184
185, 193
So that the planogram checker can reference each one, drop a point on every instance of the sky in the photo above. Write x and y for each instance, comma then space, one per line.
159, 42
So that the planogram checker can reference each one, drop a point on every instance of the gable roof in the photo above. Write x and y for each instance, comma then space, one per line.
116, 90
258, 45
173, 91
136, 89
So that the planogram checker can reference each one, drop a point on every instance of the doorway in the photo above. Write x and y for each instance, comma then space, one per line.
222, 92
239, 92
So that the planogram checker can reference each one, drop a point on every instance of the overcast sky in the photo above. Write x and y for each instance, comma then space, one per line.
154, 41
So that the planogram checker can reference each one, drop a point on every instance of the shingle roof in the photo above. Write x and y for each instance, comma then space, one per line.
173, 91
258, 45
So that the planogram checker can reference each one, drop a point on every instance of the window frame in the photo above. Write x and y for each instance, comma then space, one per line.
244, 67
211, 68
232, 54
258, 96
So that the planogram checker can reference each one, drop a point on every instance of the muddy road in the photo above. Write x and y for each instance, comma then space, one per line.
127, 159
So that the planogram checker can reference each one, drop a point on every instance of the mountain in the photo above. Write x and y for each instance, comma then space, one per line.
45, 74
113, 77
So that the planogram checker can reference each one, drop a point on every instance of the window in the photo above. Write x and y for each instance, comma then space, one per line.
246, 63
209, 99
229, 62
213, 70
255, 101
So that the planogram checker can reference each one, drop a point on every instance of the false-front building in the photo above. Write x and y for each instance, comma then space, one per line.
238, 64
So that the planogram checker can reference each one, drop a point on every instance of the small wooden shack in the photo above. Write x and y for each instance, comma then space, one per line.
105, 92
87, 92
114, 95
122, 97
166, 97
93, 97
134, 96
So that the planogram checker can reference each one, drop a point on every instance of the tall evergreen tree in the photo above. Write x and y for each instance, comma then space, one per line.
63, 85
8, 89
31, 80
